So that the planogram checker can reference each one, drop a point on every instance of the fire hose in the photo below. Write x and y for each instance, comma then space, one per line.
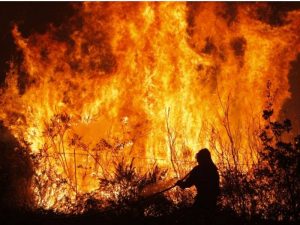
162, 191
168, 188
155, 194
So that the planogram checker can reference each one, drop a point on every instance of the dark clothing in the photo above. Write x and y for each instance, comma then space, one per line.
206, 179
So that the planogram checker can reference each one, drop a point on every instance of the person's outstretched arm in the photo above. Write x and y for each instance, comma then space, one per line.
189, 181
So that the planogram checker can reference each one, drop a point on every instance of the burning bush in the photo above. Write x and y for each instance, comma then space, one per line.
126, 190
270, 187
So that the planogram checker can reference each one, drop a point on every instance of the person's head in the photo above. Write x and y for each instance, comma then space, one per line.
203, 156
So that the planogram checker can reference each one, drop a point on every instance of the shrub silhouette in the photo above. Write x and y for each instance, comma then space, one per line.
15, 172
279, 168
126, 186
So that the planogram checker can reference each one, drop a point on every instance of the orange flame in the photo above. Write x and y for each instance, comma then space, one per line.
154, 81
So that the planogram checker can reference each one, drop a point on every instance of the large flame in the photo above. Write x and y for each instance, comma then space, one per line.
154, 81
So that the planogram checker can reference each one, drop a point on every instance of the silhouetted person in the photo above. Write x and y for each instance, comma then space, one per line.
205, 177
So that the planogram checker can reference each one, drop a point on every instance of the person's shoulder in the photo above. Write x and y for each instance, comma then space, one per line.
196, 168
215, 167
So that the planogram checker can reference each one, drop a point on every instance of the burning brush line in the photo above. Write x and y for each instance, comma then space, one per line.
148, 80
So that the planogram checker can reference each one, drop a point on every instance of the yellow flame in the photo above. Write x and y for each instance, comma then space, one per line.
156, 81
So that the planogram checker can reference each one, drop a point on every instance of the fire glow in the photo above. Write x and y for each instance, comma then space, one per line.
150, 81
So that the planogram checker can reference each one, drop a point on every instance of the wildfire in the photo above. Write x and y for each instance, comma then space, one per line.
151, 81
